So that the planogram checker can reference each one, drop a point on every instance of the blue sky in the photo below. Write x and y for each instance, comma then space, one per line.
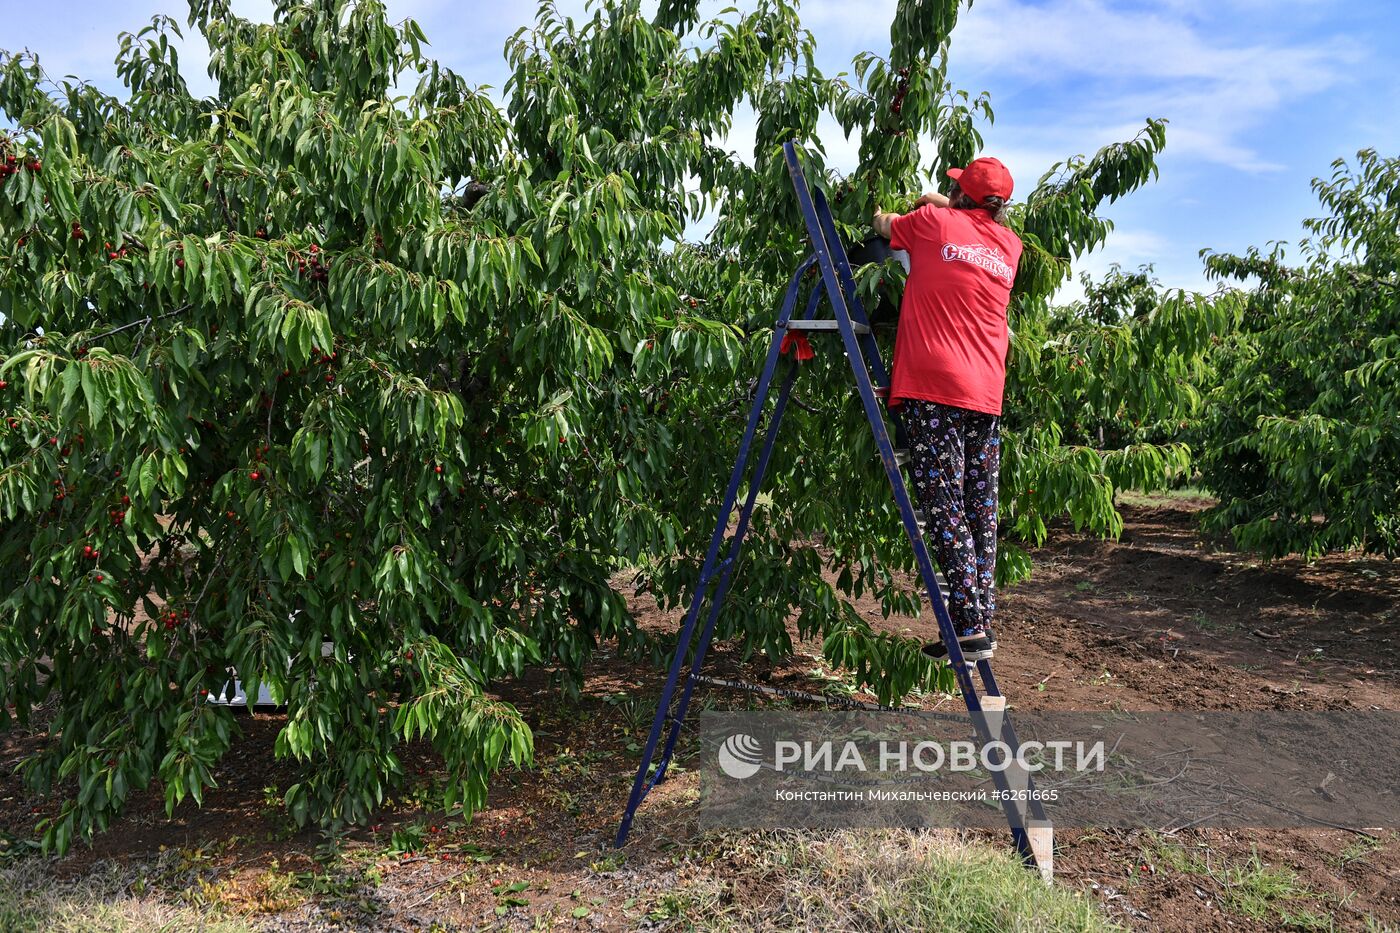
1262, 94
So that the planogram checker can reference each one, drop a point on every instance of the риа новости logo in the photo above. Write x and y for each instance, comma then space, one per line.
740, 756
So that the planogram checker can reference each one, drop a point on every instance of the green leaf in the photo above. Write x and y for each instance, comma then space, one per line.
147, 478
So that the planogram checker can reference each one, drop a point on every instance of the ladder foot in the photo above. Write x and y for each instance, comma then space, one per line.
1042, 843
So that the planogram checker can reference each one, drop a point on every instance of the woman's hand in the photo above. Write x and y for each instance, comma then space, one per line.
931, 197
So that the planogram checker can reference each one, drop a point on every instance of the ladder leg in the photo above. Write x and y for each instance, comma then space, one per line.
731, 562
1008, 734
640, 784
1030, 829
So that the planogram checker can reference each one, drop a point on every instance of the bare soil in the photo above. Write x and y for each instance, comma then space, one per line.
1162, 619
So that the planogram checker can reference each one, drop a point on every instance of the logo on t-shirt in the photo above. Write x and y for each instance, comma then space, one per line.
987, 257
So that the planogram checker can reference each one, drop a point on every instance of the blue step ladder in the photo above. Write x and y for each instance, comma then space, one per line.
1030, 829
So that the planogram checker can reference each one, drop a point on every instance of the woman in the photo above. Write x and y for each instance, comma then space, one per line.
948, 376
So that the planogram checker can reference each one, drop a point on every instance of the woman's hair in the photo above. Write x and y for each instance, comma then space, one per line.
992, 204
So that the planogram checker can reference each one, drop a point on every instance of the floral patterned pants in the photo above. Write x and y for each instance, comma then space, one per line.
955, 456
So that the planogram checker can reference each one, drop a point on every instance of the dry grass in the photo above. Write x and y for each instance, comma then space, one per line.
103, 900
871, 880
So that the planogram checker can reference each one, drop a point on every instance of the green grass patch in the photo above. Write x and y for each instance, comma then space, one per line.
1248, 888
1158, 497
1178, 858
1359, 850
1259, 891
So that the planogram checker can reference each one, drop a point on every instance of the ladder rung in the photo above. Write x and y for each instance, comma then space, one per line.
825, 324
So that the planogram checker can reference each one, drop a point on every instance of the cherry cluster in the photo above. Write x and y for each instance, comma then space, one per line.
12, 166
901, 91
313, 265
326, 359
259, 469
317, 356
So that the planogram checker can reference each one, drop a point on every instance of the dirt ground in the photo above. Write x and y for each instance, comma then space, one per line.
1162, 619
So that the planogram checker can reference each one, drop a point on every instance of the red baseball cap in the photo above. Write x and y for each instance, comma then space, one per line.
983, 178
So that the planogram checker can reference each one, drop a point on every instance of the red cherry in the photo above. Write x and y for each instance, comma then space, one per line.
98, 578
437, 470
126, 500
179, 263
4, 384
112, 255
255, 476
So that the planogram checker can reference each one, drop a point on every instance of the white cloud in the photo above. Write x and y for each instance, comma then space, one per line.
1105, 69
1131, 248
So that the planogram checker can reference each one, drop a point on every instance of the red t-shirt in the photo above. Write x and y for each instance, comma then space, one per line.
951, 344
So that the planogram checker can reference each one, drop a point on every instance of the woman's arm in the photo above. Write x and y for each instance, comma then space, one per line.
883, 219
931, 197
